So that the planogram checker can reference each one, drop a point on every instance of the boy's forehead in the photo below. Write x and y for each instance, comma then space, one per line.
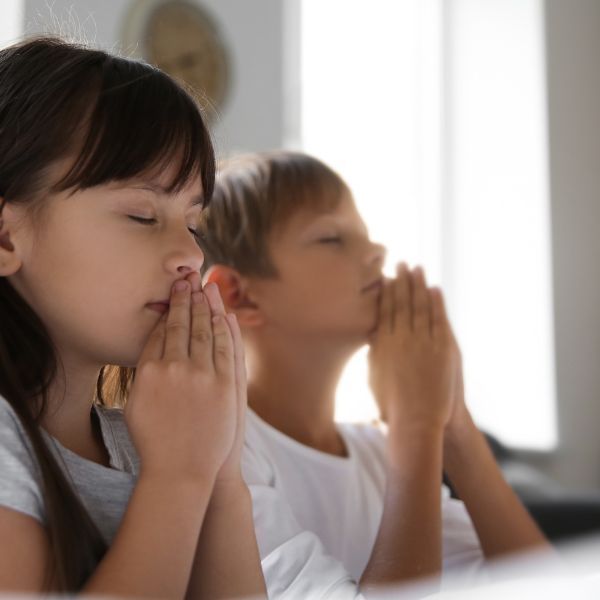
309, 217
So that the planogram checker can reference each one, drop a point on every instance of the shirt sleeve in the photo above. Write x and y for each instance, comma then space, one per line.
19, 474
294, 561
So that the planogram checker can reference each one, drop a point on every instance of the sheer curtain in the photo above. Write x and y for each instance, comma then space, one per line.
434, 112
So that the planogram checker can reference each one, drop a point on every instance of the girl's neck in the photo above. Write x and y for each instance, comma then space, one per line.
292, 387
68, 414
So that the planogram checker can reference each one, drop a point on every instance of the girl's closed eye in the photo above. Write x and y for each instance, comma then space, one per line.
153, 221
143, 220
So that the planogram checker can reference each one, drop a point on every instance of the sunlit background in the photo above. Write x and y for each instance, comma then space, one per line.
435, 115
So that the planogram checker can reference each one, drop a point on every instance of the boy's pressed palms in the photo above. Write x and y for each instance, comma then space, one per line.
412, 356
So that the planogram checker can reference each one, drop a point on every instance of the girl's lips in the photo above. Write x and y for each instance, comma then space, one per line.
161, 307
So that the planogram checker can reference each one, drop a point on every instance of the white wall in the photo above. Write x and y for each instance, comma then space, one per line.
573, 63
252, 118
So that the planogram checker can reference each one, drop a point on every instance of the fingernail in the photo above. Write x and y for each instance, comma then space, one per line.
181, 285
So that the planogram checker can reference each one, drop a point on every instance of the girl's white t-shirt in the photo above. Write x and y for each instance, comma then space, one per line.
317, 515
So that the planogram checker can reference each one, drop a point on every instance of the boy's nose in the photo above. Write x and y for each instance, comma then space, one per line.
376, 255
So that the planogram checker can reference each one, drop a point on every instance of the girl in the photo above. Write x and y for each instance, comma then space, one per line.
104, 165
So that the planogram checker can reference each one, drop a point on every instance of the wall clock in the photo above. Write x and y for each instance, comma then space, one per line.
180, 38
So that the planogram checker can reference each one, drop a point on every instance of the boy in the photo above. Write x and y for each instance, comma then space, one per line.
340, 508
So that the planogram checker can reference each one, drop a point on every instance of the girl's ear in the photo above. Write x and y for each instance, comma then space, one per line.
234, 291
10, 262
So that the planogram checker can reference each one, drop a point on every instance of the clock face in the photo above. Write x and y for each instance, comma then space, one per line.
179, 38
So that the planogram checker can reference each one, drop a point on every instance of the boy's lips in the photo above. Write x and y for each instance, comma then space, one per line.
374, 286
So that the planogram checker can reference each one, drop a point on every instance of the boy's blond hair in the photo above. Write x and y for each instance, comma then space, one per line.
254, 195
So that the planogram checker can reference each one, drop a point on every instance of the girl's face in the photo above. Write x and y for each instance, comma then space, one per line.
98, 265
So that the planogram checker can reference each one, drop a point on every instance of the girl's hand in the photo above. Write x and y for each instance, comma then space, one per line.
182, 409
230, 471
413, 361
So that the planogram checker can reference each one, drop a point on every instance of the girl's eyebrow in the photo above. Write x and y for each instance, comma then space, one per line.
160, 190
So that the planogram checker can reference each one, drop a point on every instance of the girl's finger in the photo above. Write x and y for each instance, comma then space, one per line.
239, 360
211, 290
223, 357
201, 335
195, 281
177, 340
421, 317
154, 347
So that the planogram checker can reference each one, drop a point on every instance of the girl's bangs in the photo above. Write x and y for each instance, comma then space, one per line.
142, 124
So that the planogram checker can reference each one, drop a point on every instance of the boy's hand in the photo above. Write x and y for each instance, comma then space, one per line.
460, 420
413, 360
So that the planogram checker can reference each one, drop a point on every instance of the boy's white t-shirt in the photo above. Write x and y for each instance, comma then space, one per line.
317, 515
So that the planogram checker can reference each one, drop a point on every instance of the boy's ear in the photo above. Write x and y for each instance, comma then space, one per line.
234, 291
10, 262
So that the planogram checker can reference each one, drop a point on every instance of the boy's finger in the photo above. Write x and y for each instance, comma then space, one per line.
421, 317
402, 296
201, 336
386, 307
155, 344
177, 340
223, 357
439, 318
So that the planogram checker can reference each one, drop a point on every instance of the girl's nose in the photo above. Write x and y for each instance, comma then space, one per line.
185, 256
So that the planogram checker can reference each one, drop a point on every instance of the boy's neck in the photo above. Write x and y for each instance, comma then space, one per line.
292, 387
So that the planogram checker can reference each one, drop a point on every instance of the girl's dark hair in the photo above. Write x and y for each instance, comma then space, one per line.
100, 118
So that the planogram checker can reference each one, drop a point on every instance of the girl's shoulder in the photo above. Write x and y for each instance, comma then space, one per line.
20, 485
12, 432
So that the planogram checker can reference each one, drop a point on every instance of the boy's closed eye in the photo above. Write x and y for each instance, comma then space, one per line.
330, 239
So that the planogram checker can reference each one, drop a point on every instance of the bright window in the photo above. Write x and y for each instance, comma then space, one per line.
11, 21
434, 112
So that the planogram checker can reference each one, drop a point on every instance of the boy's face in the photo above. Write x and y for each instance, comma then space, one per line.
329, 276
